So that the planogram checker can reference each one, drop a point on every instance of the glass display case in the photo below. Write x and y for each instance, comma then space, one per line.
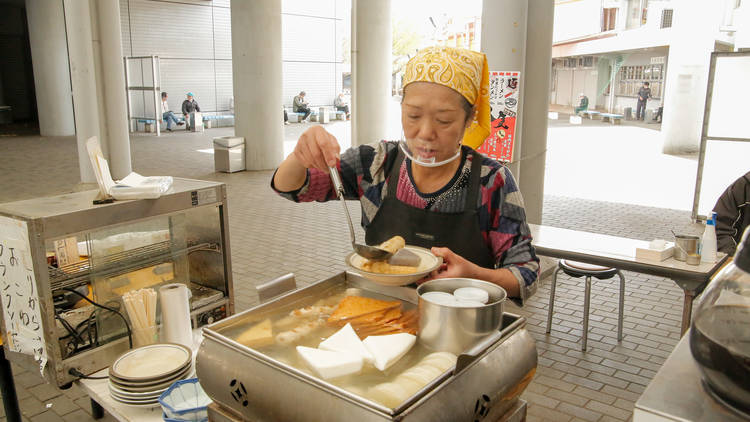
72, 262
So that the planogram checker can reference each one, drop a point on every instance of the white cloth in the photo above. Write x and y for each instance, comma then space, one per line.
164, 106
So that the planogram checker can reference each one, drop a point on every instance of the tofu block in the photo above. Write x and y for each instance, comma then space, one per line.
258, 335
346, 340
388, 349
327, 364
405, 258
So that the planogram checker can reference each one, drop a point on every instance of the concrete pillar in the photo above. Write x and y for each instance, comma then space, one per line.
535, 106
83, 81
694, 32
505, 47
371, 69
49, 56
112, 86
257, 77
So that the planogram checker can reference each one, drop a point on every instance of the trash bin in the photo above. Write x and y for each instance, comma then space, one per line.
323, 115
628, 112
229, 154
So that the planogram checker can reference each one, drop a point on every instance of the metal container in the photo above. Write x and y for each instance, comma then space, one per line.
484, 384
685, 244
455, 329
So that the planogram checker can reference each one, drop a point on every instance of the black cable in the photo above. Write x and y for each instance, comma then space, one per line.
127, 325
79, 374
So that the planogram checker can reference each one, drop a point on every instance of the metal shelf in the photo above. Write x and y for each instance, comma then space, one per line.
74, 275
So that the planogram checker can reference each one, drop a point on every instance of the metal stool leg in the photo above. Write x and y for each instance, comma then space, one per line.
552, 300
586, 301
622, 305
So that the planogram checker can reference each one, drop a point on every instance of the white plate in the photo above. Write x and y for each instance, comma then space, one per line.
148, 404
150, 384
151, 363
135, 389
135, 396
428, 264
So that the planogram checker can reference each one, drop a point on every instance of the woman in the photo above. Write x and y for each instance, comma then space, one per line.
429, 188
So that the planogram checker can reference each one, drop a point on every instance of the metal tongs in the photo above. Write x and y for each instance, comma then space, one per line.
369, 252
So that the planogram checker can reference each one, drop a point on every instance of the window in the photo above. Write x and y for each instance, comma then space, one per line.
631, 78
609, 16
666, 18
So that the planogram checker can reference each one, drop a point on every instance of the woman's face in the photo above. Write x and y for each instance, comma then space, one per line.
433, 119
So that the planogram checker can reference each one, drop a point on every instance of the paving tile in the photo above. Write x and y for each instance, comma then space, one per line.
62, 405
547, 414
579, 412
570, 398
30, 406
606, 409
584, 382
44, 392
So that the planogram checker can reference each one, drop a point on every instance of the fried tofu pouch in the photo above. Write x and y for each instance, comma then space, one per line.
391, 245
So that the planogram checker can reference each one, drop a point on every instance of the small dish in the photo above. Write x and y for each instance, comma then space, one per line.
185, 401
429, 263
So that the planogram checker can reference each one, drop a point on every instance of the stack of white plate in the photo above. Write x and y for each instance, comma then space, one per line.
138, 377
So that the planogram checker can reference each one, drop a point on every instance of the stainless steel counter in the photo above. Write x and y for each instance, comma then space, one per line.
677, 394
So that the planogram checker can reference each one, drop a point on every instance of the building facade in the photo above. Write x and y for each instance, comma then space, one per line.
606, 49
192, 39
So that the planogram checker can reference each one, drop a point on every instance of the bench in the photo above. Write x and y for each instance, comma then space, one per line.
218, 118
615, 119
591, 114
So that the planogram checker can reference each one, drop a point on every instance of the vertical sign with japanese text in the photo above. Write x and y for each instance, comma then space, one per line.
20, 298
504, 93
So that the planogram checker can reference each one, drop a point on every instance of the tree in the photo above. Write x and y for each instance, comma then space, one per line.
406, 40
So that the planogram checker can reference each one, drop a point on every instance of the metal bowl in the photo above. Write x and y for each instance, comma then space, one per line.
429, 263
456, 329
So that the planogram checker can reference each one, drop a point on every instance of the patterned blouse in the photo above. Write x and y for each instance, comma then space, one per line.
502, 218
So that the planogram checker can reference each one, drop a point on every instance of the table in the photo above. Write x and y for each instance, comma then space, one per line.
676, 393
98, 391
619, 252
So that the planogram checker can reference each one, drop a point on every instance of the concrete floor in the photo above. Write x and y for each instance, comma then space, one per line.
271, 236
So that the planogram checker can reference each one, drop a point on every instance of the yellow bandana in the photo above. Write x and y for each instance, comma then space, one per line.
462, 70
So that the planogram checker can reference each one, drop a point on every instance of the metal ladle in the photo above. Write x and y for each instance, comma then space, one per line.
369, 252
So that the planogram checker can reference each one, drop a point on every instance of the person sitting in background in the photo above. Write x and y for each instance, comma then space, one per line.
341, 104
732, 214
300, 105
583, 104
286, 117
167, 114
189, 106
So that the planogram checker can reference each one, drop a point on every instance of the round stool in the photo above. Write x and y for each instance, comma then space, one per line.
581, 269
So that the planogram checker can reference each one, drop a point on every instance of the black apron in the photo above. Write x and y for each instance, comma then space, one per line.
419, 227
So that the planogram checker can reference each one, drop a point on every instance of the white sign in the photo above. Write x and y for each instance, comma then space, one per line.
658, 60
19, 295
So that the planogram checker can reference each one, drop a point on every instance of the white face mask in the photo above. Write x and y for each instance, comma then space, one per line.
419, 152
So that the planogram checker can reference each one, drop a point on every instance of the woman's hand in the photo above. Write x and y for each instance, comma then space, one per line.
454, 265
317, 148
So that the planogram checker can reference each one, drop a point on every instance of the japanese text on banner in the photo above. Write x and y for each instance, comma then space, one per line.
504, 95
20, 298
